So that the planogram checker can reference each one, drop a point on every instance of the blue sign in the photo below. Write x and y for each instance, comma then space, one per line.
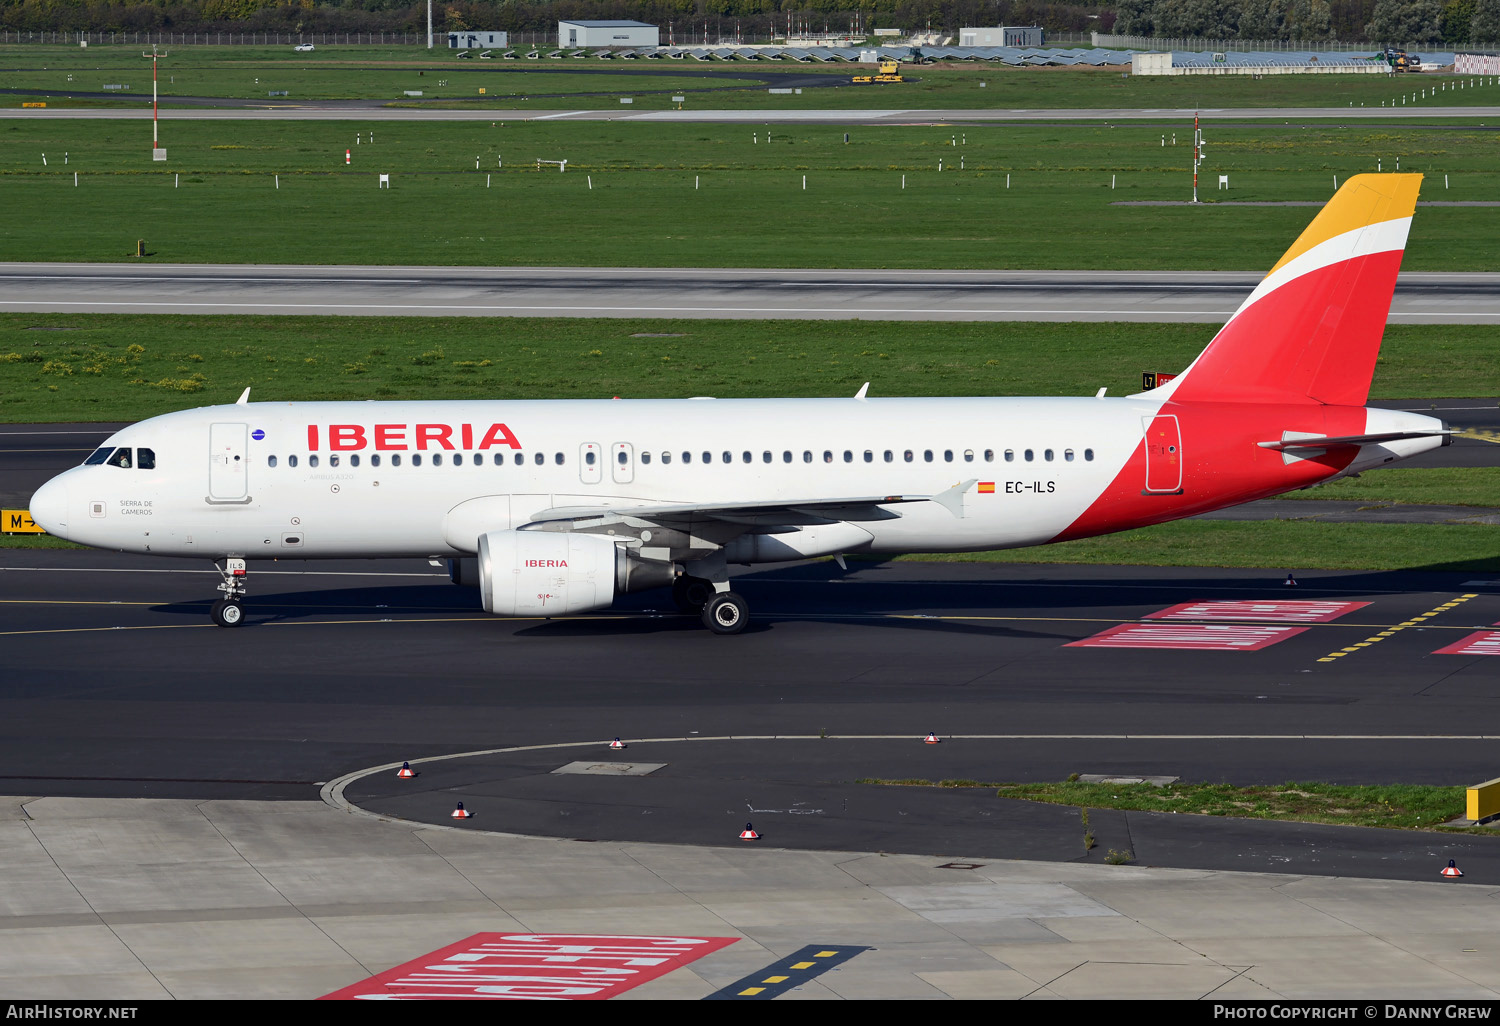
257, 434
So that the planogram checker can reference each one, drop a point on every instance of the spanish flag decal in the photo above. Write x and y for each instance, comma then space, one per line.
986, 487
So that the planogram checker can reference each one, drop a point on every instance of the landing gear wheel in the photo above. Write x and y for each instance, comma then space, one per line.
227, 614
726, 613
691, 594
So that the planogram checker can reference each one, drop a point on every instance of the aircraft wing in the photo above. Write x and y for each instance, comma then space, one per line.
777, 512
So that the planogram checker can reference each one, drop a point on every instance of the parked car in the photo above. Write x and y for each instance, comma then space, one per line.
303, 47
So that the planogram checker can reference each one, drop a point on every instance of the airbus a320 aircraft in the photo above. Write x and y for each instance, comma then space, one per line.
554, 507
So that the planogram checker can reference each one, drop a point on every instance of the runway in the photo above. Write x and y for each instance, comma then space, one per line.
1173, 296
339, 110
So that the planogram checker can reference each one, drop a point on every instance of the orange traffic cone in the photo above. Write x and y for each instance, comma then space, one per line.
931, 739
461, 812
405, 772
1452, 870
617, 743
749, 834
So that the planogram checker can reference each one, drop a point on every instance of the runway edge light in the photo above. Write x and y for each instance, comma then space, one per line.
931, 739
749, 834
461, 812
617, 743
1451, 870
1290, 582
406, 772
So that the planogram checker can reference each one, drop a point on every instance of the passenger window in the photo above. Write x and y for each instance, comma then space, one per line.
666, 457
437, 459
687, 457
1010, 455
375, 459
539, 459
416, 459
989, 455
947, 455
889, 456
745, 456
848, 456
708, 457
97, 457
907, 456
1047, 455
271, 461
620, 458
968, 455
458, 460
727, 456
1088, 455
312, 461
806, 455
765, 457
395, 459
869, 456
827, 455
291, 461
786, 456
121, 459
1030, 455
645, 457
1068, 455
927, 455
354, 460
478, 460
520, 460
588, 459
558, 458
333, 461
145, 459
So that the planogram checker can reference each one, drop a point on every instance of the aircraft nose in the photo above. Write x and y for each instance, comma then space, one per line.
49, 507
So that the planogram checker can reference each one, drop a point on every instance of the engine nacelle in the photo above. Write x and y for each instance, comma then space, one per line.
546, 573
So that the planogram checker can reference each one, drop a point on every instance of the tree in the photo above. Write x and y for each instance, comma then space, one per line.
1458, 17
1484, 27
1406, 21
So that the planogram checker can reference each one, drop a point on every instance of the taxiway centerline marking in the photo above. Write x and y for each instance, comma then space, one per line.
1391, 630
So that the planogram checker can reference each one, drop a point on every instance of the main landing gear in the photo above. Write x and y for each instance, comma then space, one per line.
229, 611
723, 612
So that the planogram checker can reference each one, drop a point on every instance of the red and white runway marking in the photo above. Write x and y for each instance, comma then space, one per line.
1478, 643
1279, 612
1205, 637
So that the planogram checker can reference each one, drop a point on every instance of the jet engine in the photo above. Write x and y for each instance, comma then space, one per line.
545, 573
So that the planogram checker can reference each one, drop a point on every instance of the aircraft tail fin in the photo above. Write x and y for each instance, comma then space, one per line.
1311, 330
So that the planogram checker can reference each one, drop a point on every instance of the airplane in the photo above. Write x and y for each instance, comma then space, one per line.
554, 507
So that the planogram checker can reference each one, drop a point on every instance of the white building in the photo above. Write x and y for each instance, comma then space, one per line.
576, 34
470, 39
1001, 35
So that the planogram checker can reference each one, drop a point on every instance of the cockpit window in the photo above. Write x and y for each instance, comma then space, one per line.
98, 456
145, 459
121, 458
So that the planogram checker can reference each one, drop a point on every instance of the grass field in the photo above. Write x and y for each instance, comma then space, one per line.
1447, 486
100, 367
714, 195
387, 73
1400, 806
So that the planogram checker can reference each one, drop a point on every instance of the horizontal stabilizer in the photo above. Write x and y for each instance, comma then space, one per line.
1329, 441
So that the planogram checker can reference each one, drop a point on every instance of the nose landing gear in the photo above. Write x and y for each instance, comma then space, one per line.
229, 611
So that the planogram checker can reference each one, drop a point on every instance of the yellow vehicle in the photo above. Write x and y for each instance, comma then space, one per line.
890, 71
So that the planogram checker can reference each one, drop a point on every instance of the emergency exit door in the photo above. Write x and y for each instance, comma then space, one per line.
1163, 455
227, 444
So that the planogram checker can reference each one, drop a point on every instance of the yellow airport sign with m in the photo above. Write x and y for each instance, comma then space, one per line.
18, 521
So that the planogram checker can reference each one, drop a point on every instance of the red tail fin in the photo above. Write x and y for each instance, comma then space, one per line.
1311, 331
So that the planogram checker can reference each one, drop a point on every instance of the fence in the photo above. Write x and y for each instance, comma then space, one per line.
1101, 39
1476, 64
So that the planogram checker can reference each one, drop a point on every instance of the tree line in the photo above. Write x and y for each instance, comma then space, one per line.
759, 19
1452, 22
